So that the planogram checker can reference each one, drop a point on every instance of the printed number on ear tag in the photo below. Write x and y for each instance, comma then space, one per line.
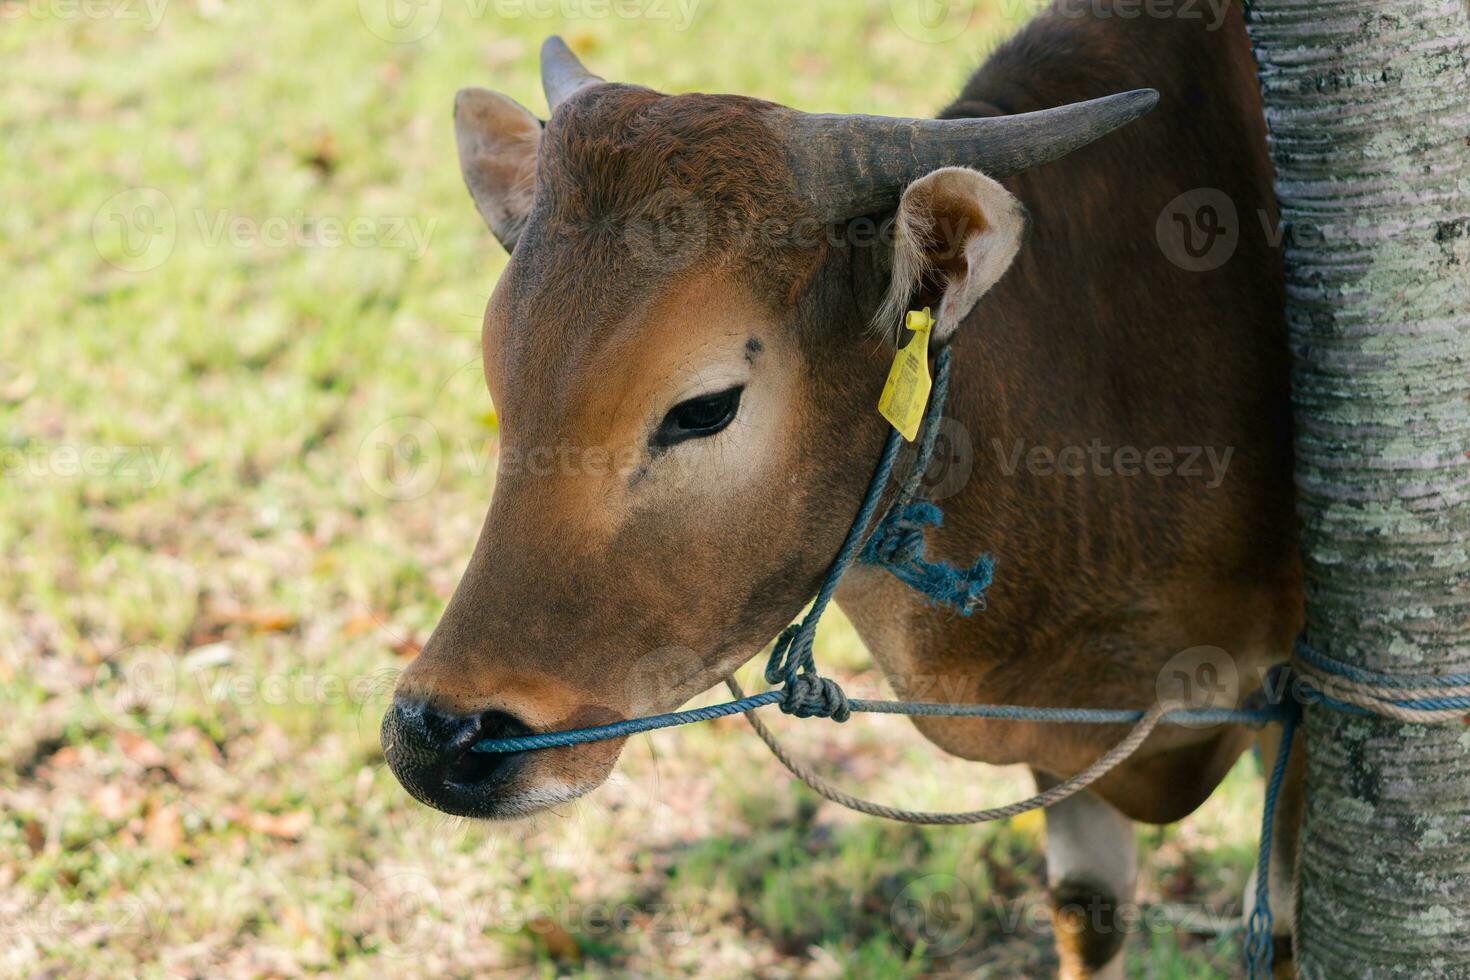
906, 391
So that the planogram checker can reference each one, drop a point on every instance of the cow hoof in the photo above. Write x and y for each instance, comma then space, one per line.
1089, 935
1283, 959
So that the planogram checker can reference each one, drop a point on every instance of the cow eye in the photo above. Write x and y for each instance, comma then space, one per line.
702, 416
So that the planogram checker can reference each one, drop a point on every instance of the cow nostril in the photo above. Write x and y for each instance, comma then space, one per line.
470, 768
430, 751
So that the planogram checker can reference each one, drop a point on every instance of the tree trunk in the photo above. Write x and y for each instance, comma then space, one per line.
1368, 108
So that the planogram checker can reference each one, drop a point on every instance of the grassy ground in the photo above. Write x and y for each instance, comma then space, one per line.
239, 265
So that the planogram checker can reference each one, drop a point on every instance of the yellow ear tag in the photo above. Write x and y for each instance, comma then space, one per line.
906, 391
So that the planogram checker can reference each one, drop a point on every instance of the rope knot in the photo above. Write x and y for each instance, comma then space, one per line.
791, 654
804, 692
901, 540
898, 546
809, 695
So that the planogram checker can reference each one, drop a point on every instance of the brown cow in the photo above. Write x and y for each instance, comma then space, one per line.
685, 334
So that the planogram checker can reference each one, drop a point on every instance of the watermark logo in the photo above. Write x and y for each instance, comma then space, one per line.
140, 686
141, 465
401, 459
400, 21
1202, 677
664, 676
222, 227
680, 13
410, 21
1212, 12
932, 21
1100, 459
22, 923
402, 912
146, 13
136, 230
135, 687
953, 461
669, 230
936, 912
1198, 230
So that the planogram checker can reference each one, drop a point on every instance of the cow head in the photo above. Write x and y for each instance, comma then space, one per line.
684, 351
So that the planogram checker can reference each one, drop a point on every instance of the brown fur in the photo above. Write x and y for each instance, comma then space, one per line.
1093, 334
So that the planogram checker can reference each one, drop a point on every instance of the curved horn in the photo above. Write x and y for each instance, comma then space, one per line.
561, 73
853, 165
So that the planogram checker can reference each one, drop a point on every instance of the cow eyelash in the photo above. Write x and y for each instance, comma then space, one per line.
697, 418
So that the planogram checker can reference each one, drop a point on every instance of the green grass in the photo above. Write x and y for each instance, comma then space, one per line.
213, 570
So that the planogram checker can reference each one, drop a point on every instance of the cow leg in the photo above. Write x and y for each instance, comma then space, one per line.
1285, 836
1091, 870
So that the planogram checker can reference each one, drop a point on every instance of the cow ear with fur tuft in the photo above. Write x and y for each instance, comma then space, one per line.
955, 233
497, 140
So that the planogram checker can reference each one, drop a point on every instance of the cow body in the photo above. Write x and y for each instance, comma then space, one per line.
1118, 407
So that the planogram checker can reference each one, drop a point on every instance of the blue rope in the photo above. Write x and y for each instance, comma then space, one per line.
1260, 930
805, 693
1385, 683
1422, 704
1332, 665
1004, 712
897, 543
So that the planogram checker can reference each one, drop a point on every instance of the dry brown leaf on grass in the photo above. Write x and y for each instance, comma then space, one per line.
258, 620
138, 749
367, 622
35, 835
323, 155
213, 623
362, 623
559, 944
162, 827
287, 826
64, 758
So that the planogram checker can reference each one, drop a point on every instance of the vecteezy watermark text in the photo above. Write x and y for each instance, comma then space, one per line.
938, 21
1098, 458
679, 12
409, 21
137, 229
147, 13
143, 465
299, 230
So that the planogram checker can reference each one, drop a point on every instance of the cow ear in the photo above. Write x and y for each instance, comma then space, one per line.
955, 233
497, 140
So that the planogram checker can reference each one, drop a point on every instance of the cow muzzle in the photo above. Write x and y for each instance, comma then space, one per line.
430, 751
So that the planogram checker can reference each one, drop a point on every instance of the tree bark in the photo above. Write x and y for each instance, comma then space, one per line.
1368, 108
